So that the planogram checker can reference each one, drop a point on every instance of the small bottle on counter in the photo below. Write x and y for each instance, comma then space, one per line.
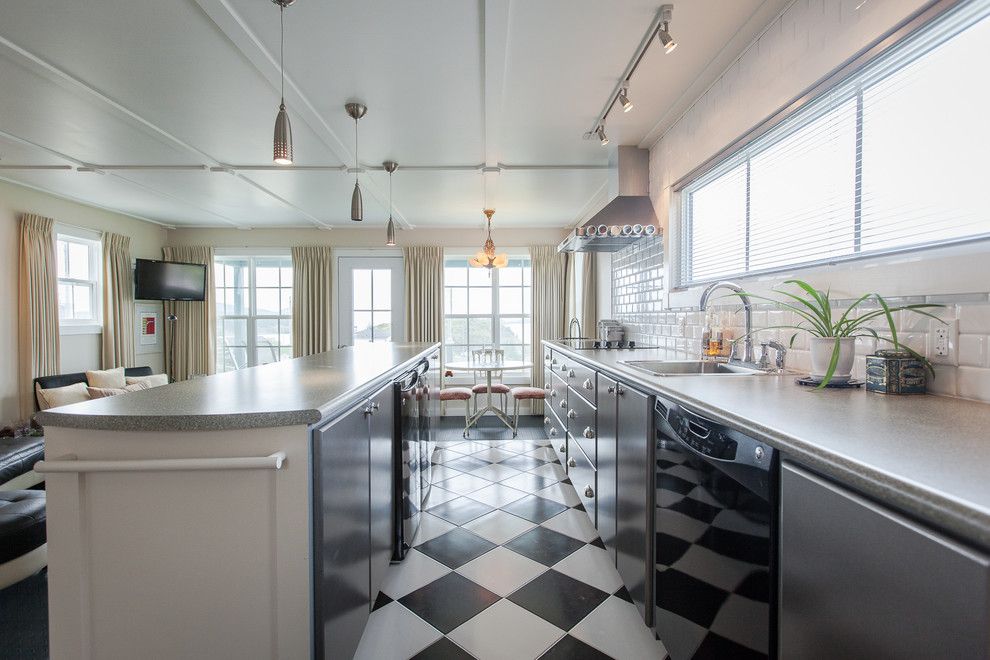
706, 335
725, 343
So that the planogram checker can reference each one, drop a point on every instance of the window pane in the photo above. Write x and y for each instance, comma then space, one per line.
286, 298
286, 275
511, 274
362, 329
510, 300
236, 273
527, 301
455, 331
383, 326
480, 301
511, 331
62, 251
235, 302
285, 353
235, 332
513, 353
718, 225
456, 302
285, 332
266, 353
455, 354
267, 302
455, 276
479, 277
65, 301
78, 261
82, 302
266, 331
382, 279
266, 273
362, 288
480, 330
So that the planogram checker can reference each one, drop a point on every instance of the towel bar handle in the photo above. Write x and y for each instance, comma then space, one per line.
69, 463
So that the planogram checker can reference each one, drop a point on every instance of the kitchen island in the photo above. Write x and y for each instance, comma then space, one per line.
193, 520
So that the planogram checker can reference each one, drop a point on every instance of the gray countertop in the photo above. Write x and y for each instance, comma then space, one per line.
298, 391
928, 456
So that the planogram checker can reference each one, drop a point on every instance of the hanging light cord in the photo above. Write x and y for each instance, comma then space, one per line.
356, 150
281, 46
389, 194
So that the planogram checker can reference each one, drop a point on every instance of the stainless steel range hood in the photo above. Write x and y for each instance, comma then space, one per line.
629, 206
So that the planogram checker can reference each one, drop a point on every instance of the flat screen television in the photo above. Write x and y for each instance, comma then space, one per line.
169, 280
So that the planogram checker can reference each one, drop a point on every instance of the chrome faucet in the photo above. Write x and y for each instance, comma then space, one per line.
570, 329
747, 309
764, 363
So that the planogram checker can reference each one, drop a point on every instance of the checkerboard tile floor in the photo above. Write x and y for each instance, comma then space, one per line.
506, 564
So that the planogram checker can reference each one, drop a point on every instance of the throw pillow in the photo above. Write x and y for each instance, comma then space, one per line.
54, 397
156, 380
107, 378
103, 392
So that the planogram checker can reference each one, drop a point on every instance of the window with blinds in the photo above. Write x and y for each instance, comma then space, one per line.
892, 158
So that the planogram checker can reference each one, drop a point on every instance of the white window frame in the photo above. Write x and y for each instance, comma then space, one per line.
516, 377
844, 83
92, 240
252, 317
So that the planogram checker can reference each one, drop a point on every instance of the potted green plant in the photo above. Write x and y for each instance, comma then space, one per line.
833, 335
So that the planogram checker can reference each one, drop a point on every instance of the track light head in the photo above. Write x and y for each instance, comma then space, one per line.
624, 101
666, 40
600, 131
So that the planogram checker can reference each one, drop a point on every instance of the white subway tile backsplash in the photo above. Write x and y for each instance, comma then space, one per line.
973, 383
973, 351
974, 318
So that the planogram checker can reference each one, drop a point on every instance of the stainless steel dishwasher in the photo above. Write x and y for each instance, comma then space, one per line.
715, 582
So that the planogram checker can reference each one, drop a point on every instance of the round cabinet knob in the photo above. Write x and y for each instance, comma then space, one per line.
760, 453
570, 374
587, 384
553, 361
563, 449
588, 433
563, 369
589, 491
571, 414
546, 420
553, 392
571, 463
611, 389
553, 431
375, 406
563, 404
546, 358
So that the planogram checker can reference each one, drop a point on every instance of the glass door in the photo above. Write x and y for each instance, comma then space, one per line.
371, 294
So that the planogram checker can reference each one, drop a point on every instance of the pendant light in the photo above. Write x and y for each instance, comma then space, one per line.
487, 258
282, 143
356, 111
390, 167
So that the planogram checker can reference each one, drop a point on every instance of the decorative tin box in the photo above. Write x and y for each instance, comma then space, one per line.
895, 372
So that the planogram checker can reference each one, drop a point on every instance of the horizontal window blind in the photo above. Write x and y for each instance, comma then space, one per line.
893, 157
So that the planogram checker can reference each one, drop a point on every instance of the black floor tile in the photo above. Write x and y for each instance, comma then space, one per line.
381, 601
559, 599
534, 509
623, 593
756, 586
448, 602
460, 510
544, 545
455, 548
688, 596
467, 463
443, 649
572, 648
522, 462
716, 647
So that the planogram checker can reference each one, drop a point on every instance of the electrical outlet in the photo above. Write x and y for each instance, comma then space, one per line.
943, 342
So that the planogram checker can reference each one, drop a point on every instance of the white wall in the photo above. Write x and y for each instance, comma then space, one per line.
78, 352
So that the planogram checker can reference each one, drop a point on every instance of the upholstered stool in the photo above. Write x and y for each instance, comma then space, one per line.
459, 394
23, 547
17, 459
518, 394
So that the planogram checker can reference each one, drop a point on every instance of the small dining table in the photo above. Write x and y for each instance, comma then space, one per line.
489, 368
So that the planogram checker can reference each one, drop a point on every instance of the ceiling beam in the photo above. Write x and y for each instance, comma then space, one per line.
50, 71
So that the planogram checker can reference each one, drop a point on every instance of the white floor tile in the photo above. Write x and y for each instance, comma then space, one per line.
506, 631
441, 472
492, 454
501, 570
430, 527
593, 566
498, 526
497, 495
544, 453
561, 493
616, 628
395, 632
439, 495
551, 470
495, 472
464, 484
447, 454
574, 523
415, 571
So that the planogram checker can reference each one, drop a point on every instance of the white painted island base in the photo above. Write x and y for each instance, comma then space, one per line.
196, 557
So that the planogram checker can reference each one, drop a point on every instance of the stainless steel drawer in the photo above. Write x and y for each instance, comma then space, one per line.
584, 381
558, 396
582, 425
583, 475
547, 356
556, 432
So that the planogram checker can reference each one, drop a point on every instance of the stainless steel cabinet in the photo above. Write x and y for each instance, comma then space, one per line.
858, 580
381, 484
607, 469
634, 499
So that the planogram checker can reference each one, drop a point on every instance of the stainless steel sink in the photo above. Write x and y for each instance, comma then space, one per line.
690, 368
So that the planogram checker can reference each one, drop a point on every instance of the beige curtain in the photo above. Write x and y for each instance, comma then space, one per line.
424, 293
312, 297
549, 294
582, 292
37, 306
118, 302
192, 337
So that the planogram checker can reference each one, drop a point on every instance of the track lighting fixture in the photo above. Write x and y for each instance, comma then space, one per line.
624, 101
600, 131
390, 167
282, 143
356, 111
667, 41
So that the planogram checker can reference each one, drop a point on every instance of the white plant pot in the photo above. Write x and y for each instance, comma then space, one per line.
821, 357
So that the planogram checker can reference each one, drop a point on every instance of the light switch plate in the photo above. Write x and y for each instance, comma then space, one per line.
943, 342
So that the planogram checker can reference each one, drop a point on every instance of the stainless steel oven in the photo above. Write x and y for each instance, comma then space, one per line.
411, 460
715, 582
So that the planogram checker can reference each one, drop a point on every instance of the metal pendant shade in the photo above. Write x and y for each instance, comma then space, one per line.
390, 232
390, 167
356, 111
283, 137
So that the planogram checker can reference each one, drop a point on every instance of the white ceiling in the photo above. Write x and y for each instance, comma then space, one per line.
449, 83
